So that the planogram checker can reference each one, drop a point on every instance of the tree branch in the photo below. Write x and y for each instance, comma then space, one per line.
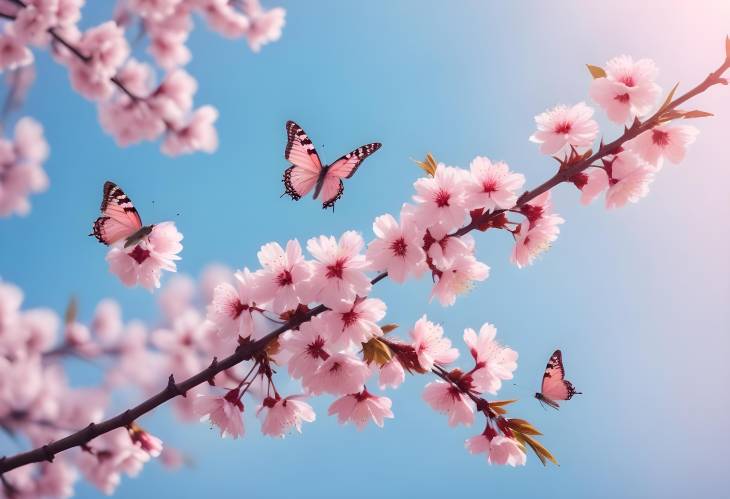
249, 350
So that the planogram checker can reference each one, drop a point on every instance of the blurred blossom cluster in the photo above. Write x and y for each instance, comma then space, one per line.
137, 101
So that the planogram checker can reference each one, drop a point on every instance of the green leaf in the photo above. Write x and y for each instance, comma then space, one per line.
596, 71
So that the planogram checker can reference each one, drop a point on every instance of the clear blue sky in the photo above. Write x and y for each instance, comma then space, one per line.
637, 299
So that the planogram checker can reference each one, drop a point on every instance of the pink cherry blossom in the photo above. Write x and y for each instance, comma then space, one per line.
13, 54
308, 347
398, 248
494, 362
663, 141
628, 90
106, 48
498, 449
147, 442
265, 25
213, 275
233, 306
280, 415
30, 144
626, 177
562, 127
392, 375
176, 296
338, 272
441, 199
282, 276
32, 22
447, 399
225, 412
142, 263
197, 135
153, 9
340, 374
443, 249
360, 408
458, 278
226, 20
111, 455
355, 323
430, 344
491, 185
532, 238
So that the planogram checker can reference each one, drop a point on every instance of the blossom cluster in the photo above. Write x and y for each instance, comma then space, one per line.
134, 104
312, 307
21, 167
627, 92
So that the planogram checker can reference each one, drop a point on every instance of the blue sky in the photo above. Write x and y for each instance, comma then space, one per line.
637, 298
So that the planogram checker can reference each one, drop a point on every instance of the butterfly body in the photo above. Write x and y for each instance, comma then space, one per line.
554, 385
119, 219
308, 172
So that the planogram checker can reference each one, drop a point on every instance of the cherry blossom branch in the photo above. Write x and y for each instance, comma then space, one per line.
75, 51
569, 170
249, 350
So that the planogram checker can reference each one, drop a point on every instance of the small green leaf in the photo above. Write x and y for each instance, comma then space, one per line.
596, 71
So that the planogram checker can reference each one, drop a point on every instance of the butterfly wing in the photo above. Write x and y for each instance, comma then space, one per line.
306, 167
119, 218
332, 189
347, 165
344, 167
554, 384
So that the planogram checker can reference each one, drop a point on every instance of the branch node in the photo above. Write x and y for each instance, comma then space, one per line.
49, 455
172, 387
127, 417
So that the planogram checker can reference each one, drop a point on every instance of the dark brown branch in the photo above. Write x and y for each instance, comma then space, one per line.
248, 350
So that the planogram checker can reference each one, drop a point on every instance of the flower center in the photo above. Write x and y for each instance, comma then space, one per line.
316, 350
490, 185
628, 80
139, 254
563, 128
660, 138
622, 98
399, 247
442, 198
285, 279
349, 318
335, 270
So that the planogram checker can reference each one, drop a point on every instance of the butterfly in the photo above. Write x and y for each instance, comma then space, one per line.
119, 219
554, 385
307, 171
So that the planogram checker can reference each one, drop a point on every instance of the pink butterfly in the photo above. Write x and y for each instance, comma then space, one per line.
307, 171
554, 385
119, 218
